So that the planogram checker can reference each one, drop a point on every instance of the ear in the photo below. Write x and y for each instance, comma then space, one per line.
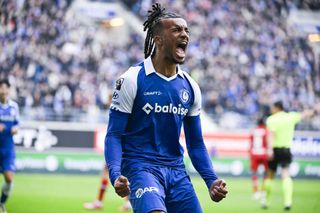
157, 40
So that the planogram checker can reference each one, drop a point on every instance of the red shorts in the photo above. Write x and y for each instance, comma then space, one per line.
256, 160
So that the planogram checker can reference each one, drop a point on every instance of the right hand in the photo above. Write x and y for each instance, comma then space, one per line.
122, 186
270, 154
2, 127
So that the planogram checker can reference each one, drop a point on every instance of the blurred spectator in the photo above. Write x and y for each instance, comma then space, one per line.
240, 53
243, 56
52, 63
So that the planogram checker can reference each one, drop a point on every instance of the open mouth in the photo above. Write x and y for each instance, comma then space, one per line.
181, 48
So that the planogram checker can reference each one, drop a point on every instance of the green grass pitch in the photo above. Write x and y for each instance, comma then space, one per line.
44, 193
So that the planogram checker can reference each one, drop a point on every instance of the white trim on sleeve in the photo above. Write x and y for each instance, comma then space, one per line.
125, 90
196, 107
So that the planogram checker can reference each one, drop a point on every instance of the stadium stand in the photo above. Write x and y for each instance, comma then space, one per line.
241, 53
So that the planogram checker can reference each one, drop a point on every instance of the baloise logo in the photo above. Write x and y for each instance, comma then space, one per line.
148, 108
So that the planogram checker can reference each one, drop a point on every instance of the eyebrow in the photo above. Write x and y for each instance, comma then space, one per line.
179, 26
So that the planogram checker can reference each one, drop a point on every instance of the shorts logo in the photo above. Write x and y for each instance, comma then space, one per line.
119, 82
141, 191
184, 95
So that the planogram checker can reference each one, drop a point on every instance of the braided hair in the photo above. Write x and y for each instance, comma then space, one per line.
152, 24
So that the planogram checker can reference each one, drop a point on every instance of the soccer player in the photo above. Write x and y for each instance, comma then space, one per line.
150, 103
9, 119
259, 149
97, 204
282, 125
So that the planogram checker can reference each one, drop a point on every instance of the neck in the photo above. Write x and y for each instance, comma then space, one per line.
276, 111
3, 100
164, 66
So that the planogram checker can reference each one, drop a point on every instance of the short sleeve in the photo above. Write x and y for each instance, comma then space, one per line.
15, 112
270, 125
17, 115
125, 91
295, 117
196, 106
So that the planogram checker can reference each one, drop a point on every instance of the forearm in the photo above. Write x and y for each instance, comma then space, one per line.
113, 146
306, 114
202, 163
197, 150
7, 130
113, 155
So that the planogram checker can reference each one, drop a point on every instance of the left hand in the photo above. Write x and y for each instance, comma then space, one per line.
270, 154
218, 190
2, 127
14, 130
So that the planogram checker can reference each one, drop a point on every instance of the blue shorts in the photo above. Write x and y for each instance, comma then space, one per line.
164, 189
7, 159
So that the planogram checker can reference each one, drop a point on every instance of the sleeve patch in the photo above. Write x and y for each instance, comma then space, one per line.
119, 83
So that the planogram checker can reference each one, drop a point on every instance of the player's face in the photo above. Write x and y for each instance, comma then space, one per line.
175, 39
4, 92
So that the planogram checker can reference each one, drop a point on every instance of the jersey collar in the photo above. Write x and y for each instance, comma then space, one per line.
149, 68
5, 105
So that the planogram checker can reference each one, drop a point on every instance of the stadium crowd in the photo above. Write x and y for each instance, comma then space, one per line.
241, 54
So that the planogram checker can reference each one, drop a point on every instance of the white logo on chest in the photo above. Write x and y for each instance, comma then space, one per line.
147, 108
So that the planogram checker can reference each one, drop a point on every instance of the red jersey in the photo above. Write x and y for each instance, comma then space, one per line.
259, 141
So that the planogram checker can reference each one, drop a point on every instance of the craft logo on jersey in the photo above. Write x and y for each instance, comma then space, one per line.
184, 96
119, 83
141, 191
148, 108
152, 93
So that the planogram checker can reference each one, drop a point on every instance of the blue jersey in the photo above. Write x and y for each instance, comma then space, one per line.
157, 106
146, 116
9, 116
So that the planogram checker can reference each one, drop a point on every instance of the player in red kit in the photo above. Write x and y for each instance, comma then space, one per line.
259, 152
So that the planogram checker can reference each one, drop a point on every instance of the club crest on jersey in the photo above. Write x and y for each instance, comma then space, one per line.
119, 83
184, 96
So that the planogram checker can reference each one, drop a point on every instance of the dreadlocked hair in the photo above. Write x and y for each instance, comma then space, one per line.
156, 14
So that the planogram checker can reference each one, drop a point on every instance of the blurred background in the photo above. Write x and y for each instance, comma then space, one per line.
62, 58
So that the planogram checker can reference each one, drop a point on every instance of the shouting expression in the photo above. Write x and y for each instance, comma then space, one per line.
173, 39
